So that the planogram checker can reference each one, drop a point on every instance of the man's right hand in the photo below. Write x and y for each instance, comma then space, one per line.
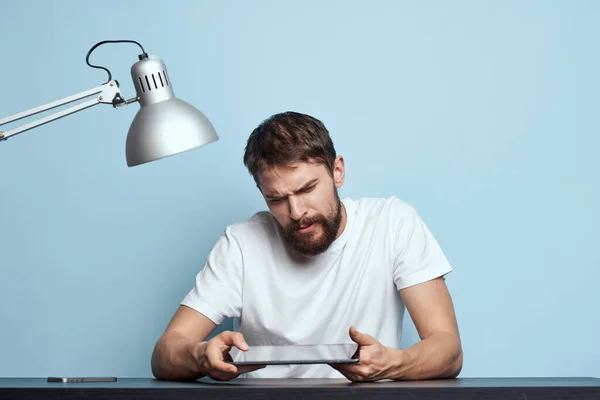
213, 353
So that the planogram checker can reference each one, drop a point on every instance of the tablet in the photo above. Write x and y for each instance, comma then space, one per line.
344, 353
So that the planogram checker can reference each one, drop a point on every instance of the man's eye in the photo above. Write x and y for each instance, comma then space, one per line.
308, 189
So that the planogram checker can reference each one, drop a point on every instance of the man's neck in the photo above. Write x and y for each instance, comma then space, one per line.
343, 221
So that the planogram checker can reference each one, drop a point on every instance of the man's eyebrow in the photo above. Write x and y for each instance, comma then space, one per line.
271, 196
303, 187
308, 184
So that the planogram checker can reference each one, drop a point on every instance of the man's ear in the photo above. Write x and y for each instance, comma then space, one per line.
339, 172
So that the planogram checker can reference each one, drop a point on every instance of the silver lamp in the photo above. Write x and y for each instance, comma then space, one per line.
164, 125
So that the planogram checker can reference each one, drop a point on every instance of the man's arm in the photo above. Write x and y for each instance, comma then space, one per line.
439, 353
176, 354
182, 354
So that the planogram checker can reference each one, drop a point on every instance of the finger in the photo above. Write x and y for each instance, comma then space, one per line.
242, 369
215, 361
226, 376
348, 375
339, 367
234, 339
240, 343
361, 338
221, 376
347, 368
223, 366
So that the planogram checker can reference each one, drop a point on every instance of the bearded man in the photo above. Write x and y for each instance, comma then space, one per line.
313, 269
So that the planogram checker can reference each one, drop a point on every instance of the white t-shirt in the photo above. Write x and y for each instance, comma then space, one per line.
277, 297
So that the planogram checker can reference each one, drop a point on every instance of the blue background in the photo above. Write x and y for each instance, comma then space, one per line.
483, 115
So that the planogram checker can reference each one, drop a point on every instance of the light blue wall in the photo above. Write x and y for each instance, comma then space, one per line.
483, 115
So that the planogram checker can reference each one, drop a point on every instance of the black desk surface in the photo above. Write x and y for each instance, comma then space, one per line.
462, 388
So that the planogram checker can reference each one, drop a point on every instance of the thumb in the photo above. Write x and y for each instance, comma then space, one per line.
361, 339
236, 339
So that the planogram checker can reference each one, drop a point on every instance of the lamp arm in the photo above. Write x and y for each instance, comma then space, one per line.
108, 93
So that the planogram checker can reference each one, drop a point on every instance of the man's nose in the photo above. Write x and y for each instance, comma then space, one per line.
297, 209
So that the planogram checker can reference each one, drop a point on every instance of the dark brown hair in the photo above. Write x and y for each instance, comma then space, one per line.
286, 138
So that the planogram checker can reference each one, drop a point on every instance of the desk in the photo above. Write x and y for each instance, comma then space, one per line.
266, 389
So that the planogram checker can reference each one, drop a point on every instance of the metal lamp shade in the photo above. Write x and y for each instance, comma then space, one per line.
166, 128
164, 125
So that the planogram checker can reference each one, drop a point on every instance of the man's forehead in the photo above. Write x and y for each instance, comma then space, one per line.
288, 177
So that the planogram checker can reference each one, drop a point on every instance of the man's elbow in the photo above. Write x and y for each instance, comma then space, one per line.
156, 362
452, 361
156, 370
455, 365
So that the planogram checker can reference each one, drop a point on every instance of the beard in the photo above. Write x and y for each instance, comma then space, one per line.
308, 243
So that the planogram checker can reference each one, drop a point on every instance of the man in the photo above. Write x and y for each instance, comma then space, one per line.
315, 269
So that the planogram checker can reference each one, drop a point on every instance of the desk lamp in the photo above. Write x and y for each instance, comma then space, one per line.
164, 125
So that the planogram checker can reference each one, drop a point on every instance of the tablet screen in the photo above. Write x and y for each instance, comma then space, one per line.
296, 354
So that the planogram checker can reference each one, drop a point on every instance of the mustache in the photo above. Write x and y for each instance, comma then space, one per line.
305, 222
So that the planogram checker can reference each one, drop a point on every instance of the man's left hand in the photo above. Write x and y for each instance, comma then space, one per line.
375, 359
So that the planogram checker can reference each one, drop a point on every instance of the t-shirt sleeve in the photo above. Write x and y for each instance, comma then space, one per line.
418, 256
217, 292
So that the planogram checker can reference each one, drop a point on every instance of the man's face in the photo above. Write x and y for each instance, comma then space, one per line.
303, 198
